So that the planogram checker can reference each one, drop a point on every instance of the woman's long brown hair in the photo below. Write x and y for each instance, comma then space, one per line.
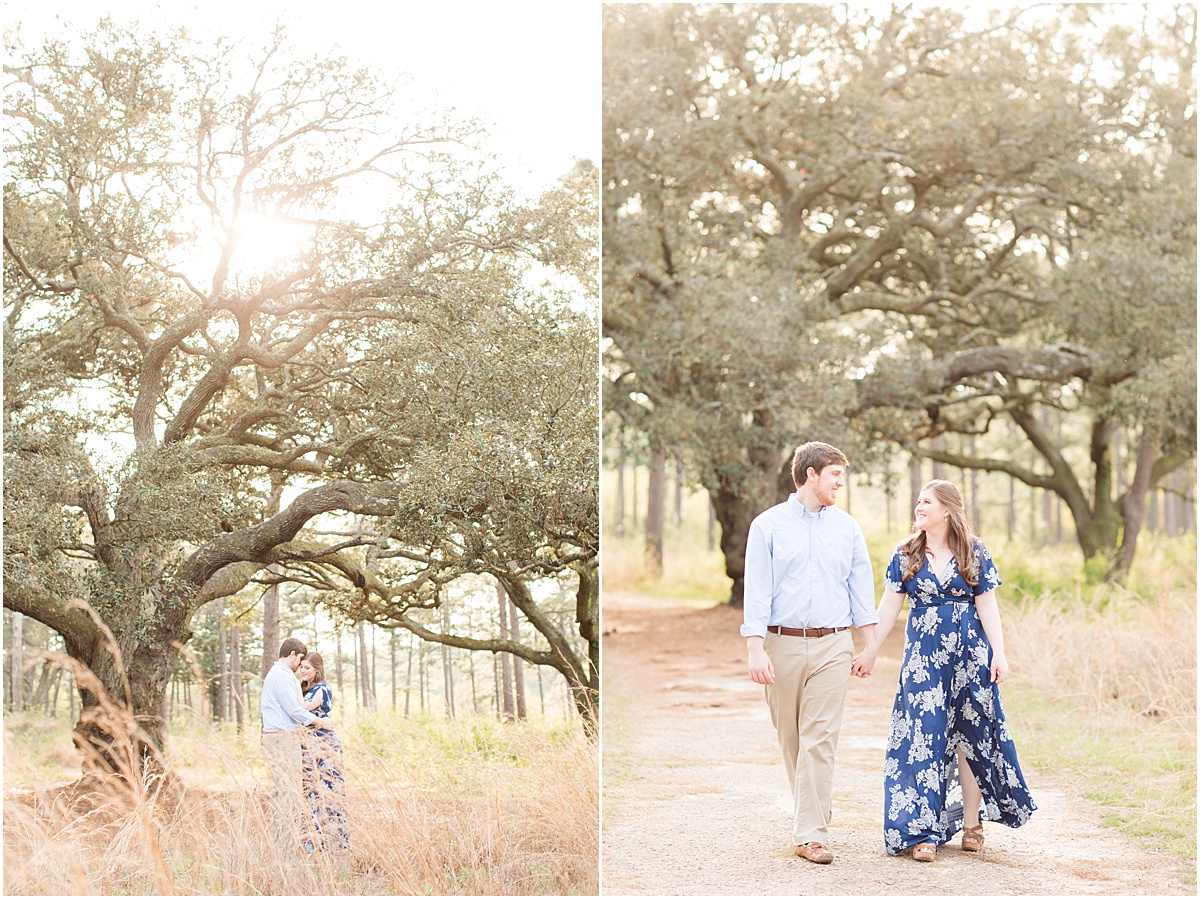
318, 663
959, 536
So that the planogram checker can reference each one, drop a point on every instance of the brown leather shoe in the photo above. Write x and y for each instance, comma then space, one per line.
924, 852
973, 838
815, 852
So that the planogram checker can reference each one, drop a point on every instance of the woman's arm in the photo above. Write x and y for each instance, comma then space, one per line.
873, 637
989, 617
314, 703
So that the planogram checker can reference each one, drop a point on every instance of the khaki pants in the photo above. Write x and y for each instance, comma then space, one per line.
286, 763
806, 702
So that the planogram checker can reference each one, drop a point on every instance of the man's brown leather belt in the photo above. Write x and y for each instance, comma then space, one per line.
804, 631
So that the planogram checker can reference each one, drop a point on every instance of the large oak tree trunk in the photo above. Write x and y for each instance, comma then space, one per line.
735, 505
121, 727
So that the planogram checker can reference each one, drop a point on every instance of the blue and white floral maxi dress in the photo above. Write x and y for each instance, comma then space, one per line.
945, 700
324, 784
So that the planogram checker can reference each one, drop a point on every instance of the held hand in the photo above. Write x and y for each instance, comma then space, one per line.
759, 664
999, 669
863, 664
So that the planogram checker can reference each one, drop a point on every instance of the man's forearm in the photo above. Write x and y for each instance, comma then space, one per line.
867, 632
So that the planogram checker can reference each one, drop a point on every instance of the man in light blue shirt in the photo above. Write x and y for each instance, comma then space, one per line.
808, 579
283, 716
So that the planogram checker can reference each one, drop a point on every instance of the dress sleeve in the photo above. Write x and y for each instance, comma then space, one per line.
989, 577
892, 578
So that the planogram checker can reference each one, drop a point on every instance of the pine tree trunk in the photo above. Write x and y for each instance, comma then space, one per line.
514, 629
271, 641
633, 506
368, 698
54, 702
976, 521
505, 661
17, 662
655, 508
337, 664
222, 659
678, 495
447, 669
235, 671
939, 469
41, 693
1011, 518
421, 673
498, 689
474, 694
408, 677
374, 669
620, 529
915, 483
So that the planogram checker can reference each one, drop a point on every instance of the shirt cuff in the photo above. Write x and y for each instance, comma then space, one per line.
754, 630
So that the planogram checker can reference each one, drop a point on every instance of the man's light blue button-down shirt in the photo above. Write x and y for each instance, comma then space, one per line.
807, 569
281, 708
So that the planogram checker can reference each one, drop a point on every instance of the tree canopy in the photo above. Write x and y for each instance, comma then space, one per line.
232, 273
881, 228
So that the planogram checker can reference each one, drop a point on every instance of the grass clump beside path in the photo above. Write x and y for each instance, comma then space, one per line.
1104, 688
1103, 683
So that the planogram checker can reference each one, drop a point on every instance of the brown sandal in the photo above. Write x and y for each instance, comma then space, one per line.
924, 852
972, 840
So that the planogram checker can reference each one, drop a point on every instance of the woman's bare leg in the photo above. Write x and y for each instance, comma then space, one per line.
970, 791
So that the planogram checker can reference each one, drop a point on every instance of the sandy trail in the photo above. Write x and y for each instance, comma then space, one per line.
696, 799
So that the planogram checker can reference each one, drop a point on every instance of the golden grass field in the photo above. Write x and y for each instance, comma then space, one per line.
436, 807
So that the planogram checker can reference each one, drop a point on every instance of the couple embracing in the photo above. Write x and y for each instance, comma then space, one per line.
303, 751
951, 763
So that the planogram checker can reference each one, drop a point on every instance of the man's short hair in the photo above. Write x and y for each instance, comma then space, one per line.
814, 455
290, 645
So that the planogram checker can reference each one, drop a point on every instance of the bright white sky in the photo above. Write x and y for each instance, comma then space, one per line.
532, 69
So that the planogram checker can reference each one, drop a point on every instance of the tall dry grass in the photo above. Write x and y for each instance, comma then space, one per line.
1103, 686
1108, 651
467, 807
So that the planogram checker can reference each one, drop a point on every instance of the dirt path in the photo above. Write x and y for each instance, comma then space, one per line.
696, 799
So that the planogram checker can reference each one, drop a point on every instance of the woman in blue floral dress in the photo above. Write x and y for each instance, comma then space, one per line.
951, 762
324, 785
